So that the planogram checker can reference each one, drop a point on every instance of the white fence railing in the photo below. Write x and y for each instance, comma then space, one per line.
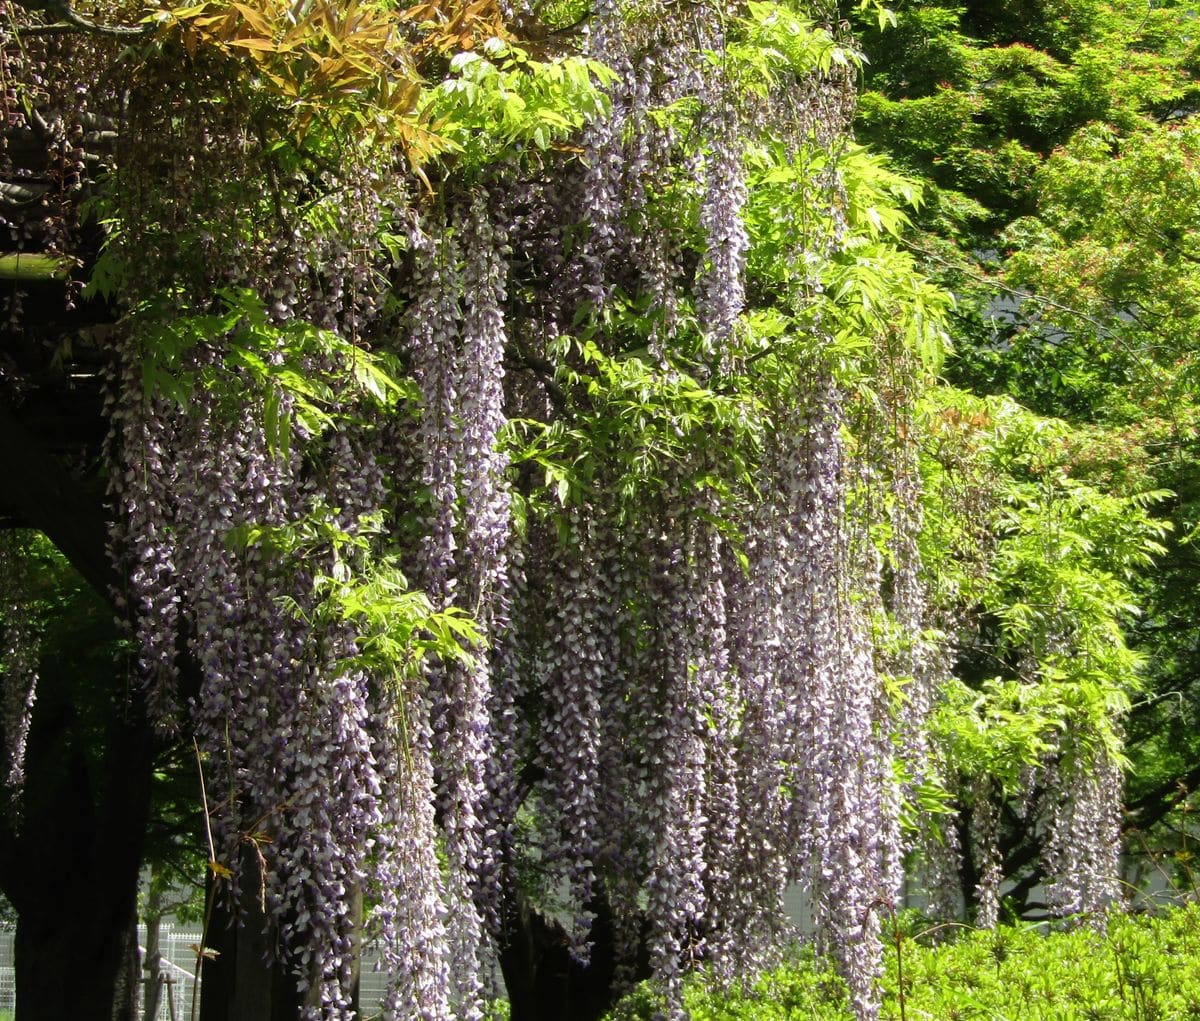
176, 979
8, 975
179, 962
176, 945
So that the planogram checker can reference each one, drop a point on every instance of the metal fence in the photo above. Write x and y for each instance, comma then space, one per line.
177, 947
8, 977
177, 973
179, 962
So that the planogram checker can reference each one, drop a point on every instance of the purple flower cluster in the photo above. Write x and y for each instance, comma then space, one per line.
573, 666
985, 843
1082, 802
678, 703
457, 337
721, 287
142, 435
20, 649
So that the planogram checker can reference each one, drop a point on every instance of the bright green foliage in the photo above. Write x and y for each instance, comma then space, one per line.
869, 295
1113, 247
777, 41
499, 98
1114, 239
276, 359
799, 989
634, 422
1039, 568
1142, 970
395, 627
976, 98
1056, 146
976, 101
868, 290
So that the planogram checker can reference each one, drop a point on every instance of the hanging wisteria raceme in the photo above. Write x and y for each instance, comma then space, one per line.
906, 652
941, 865
511, 670
675, 886
481, 385
603, 171
19, 656
837, 817
938, 840
433, 344
985, 847
865, 578
573, 671
622, 560
1082, 799
283, 722
722, 283
20, 649
482, 587
753, 908
145, 449
913, 659
657, 256
486, 532
718, 701
457, 340
409, 922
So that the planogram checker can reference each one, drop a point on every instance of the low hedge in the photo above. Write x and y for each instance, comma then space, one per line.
1142, 968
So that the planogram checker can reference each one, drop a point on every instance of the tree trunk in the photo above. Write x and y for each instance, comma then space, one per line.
69, 865
63, 967
125, 991
239, 982
544, 982
246, 980
968, 873
152, 979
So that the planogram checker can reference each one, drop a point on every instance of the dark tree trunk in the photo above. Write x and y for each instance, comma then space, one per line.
246, 980
152, 978
543, 981
239, 982
968, 873
126, 987
69, 865
71, 514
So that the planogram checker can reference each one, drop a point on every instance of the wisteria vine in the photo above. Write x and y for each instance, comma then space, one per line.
500, 535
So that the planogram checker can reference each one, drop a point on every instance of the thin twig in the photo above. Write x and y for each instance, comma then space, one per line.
212, 863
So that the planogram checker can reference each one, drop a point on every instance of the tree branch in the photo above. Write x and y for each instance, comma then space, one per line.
1153, 807
43, 494
70, 20
544, 371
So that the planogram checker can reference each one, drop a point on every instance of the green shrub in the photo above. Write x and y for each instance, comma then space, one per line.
1143, 969
801, 988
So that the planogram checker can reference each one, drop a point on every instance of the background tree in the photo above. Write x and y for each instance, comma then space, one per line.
1055, 144
309, 396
